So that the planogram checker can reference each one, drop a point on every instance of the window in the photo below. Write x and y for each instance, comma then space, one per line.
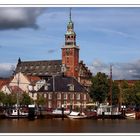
37, 67
50, 96
78, 96
65, 104
43, 67
65, 96
71, 96
58, 96
25, 67
58, 104
49, 104
46, 87
38, 87
32, 95
85, 96
31, 67
45, 95
71, 87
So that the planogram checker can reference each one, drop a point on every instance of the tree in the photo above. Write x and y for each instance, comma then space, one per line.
100, 87
130, 93
25, 99
136, 93
2, 97
40, 100
115, 93
10, 99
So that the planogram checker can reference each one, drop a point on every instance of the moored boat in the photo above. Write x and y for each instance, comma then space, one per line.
15, 113
77, 115
130, 115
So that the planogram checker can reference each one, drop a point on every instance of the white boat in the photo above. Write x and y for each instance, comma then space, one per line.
59, 111
77, 115
131, 115
14, 114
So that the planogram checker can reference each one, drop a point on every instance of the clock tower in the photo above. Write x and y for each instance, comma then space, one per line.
70, 51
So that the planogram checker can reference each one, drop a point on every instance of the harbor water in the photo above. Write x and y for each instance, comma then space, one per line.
69, 126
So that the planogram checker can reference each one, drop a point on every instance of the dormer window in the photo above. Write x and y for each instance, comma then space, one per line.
71, 87
46, 87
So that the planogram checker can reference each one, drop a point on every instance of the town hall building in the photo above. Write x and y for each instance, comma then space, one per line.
73, 75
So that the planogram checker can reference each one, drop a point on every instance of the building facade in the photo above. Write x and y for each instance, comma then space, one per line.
66, 81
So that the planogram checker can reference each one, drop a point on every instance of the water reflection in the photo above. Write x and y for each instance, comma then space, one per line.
69, 126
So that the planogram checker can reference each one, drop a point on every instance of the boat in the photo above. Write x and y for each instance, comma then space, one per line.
105, 111
14, 114
59, 111
77, 115
131, 115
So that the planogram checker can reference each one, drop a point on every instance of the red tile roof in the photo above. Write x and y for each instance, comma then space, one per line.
15, 89
33, 79
4, 82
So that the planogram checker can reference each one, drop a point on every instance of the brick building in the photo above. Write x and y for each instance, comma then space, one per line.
66, 69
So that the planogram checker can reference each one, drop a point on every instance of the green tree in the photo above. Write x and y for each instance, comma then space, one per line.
40, 100
100, 87
130, 93
124, 92
136, 93
115, 93
2, 97
25, 99
10, 99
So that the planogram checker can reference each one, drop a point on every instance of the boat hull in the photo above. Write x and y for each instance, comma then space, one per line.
77, 117
130, 115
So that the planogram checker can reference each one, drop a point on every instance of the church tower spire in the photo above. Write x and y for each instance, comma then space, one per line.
70, 51
70, 14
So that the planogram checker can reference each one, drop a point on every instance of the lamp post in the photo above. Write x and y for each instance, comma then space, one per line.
62, 106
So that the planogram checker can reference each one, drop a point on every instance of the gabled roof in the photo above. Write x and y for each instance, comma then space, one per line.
61, 84
4, 82
39, 68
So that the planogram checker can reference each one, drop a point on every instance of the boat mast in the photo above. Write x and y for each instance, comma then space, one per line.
18, 96
110, 93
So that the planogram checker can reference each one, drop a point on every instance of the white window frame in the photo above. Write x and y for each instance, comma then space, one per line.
50, 96
85, 96
58, 95
77, 96
49, 104
71, 96
58, 104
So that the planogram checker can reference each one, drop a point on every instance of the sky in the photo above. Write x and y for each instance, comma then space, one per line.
106, 36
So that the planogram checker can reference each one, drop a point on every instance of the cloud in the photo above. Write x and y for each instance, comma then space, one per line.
51, 51
20, 17
120, 71
115, 32
6, 69
128, 71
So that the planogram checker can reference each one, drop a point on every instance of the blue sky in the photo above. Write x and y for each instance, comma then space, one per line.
105, 35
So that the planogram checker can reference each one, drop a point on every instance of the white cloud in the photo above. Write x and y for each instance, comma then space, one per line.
129, 70
6, 69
